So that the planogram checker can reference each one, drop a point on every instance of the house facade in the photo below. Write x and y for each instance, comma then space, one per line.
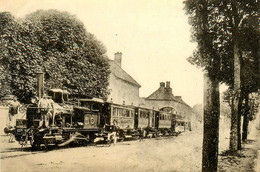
123, 88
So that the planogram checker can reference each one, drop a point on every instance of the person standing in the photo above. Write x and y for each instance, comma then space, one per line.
13, 111
43, 106
51, 111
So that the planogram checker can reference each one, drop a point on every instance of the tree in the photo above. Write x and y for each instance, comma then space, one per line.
243, 15
221, 42
9, 28
205, 57
58, 44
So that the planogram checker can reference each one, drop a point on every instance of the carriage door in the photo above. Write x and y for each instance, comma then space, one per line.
136, 117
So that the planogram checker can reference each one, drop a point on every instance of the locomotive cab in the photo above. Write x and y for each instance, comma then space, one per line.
59, 95
88, 113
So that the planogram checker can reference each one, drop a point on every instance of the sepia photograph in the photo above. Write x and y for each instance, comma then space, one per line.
129, 85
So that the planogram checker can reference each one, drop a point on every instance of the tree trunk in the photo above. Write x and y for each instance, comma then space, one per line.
245, 120
239, 147
211, 92
233, 144
211, 124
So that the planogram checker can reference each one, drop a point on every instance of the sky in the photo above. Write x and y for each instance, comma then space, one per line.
153, 36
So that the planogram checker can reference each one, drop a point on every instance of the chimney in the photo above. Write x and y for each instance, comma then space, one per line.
168, 83
178, 97
118, 58
168, 89
162, 84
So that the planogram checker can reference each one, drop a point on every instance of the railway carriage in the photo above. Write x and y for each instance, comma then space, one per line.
147, 120
121, 117
142, 117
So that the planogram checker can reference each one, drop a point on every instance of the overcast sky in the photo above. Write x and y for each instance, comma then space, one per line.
153, 35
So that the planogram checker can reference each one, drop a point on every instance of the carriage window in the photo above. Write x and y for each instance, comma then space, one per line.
127, 113
120, 112
114, 111
144, 114
84, 104
95, 106
124, 112
131, 113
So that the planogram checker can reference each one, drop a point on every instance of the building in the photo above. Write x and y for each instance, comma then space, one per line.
163, 99
123, 88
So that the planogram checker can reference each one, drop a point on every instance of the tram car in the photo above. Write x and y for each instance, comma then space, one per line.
120, 117
145, 119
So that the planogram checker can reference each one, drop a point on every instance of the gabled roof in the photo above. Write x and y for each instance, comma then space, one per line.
161, 94
118, 72
165, 94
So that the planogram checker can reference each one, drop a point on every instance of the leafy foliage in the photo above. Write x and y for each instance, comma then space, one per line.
58, 44
219, 36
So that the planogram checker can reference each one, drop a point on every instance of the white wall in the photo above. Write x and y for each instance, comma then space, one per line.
122, 91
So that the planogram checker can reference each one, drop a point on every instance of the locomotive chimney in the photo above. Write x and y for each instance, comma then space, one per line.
39, 76
118, 58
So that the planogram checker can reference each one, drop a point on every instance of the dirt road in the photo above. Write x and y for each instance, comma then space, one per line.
182, 154
167, 154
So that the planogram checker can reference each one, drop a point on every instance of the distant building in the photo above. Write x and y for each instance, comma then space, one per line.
123, 88
164, 99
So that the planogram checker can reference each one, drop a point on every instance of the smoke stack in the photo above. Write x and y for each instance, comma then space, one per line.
39, 76
118, 58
